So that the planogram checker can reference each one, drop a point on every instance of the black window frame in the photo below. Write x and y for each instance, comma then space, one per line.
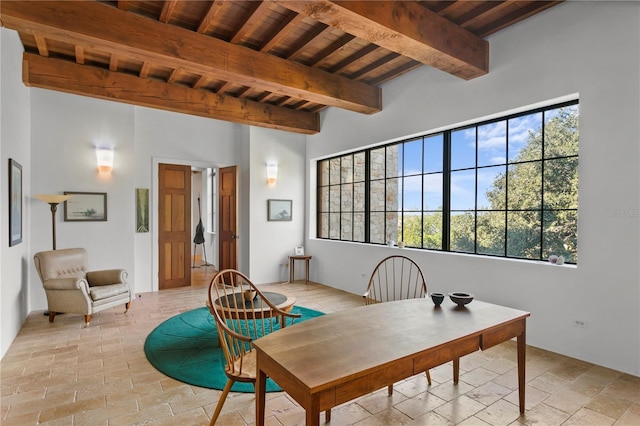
447, 170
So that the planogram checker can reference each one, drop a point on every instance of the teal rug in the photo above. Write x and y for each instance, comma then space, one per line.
185, 347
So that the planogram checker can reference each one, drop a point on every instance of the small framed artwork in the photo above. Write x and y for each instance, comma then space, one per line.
299, 251
15, 203
279, 210
85, 207
142, 210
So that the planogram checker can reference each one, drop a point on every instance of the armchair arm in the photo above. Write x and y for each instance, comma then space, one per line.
107, 277
65, 284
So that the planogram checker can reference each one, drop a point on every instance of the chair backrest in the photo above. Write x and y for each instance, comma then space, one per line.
63, 263
240, 320
395, 278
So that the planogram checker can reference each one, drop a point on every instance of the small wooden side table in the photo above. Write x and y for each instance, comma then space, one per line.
292, 262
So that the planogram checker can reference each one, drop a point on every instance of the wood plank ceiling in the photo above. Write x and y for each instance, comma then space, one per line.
272, 63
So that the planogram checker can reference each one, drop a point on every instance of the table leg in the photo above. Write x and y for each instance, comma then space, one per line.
307, 269
521, 342
456, 370
313, 415
261, 383
291, 263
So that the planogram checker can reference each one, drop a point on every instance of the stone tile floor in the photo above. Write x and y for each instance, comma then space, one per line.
65, 374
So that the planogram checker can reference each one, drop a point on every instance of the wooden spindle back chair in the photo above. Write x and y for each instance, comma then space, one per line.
239, 322
396, 278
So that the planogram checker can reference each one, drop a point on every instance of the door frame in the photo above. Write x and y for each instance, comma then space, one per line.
155, 251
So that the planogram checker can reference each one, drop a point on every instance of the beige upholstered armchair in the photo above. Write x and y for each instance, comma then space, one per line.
71, 288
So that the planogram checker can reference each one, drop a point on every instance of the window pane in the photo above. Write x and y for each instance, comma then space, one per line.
561, 132
525, 186
324, 172
463, 190
377, 231
334, 171
491, 193
412, 229
462, 232
561, 235
334, 198
432, 231
561, 183
358, 197
525, 142
463, 149
523, 234
324, 199
433, 156
433, 192
490, 233
324, 225
334, 225
413, 158
492, 144
346, 227
346, 168
393, 225
377, 166
394, 160
412, 193
347, 198
359, 167
376, 196
358, 227
393, 194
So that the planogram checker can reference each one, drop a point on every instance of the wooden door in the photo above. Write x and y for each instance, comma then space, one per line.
174, 208
228, 222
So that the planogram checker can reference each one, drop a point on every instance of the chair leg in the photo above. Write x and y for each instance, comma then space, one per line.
52, 316
428, 377
390, 390
223, 397
87, 320
127, 306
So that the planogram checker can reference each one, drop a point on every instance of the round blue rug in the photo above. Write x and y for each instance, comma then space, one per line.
185, 347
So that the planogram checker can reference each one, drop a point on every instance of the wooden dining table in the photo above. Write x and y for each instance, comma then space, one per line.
332, 359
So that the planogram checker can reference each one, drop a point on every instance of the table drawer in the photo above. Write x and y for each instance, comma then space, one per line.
446, 353
492, 338
371, 382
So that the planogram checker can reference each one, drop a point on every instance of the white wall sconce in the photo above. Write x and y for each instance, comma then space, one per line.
105, 160
272, 173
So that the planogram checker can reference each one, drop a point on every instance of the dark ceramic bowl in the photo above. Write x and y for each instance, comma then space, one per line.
460, 298
437, 298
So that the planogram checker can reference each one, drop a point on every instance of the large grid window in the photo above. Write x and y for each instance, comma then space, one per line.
506, 187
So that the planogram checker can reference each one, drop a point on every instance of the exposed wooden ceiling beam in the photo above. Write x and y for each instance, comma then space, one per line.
406, 28
61, 75
129, 35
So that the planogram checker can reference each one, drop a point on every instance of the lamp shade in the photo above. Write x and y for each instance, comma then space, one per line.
105, 160
52, 198
272, 173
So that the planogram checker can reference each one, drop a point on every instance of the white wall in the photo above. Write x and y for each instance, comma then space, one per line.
14, 143
571, 48
272, 242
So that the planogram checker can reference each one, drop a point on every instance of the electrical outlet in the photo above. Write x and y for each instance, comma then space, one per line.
580, 323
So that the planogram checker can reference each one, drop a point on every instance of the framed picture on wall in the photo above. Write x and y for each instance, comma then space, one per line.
279, 210
85, 207
15, 203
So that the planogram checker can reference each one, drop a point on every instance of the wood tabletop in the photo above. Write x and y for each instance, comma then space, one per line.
326, 351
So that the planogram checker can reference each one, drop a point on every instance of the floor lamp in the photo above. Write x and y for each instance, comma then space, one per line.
53, 200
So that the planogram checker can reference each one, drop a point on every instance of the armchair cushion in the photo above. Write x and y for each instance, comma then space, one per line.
106, 291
